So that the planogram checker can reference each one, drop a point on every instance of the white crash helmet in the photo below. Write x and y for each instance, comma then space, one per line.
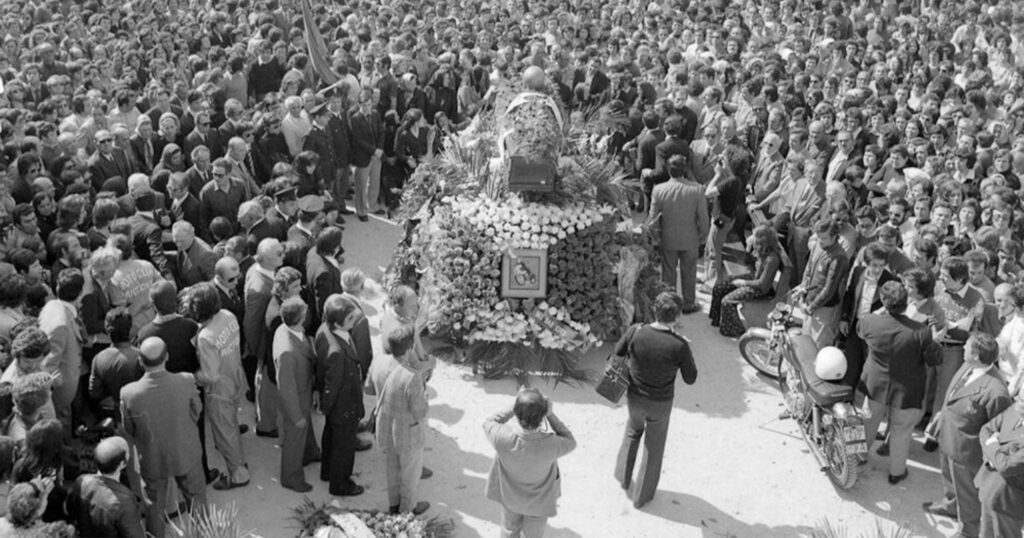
830, 364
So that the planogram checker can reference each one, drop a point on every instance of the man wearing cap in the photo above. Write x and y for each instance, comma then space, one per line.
276, 220
319, 141
160, 413
107, 161
302, 234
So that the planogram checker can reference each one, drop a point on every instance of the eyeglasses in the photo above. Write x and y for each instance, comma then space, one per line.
219, 174
106, 141
204, 124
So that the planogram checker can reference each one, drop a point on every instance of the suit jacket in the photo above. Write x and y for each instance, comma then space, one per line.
645, 149
898, 350
852, 297
194, 265
664, 151
99, 506
337, 378
188, 211
160, 413
138, 148
148, 240
367, 137
319, 141
273, 224
103, 168
966, 410
293, 359
323, 277
126, 204
257, 296
682, 212
59, 320
341, 138
194, 139
402, 411
1001, 480
197, 180
361, 340
840, 171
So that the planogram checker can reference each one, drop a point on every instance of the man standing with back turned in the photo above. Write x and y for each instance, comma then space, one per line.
680, 210
524, 477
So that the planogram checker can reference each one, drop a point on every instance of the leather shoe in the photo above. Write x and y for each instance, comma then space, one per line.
362, 446
301, 488
883, 449
346, 211
691, 308
363, 218
931, 445
243, 429
937, 509
212, 475
896, 479
393, 509
426, 473
272, 434
420, 507
355, 490
224, 483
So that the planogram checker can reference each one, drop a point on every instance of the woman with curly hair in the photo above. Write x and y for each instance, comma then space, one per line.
287, 284
769, 260
26, 504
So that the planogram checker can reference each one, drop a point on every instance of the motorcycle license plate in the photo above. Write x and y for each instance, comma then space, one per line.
855, 442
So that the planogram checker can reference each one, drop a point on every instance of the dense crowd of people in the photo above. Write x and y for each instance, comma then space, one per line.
177, 175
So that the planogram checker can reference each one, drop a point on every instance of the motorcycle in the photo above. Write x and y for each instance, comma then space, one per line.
829, 423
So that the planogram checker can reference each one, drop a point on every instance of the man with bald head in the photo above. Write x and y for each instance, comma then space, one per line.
99, 505
160, 412
195, 259
259, 281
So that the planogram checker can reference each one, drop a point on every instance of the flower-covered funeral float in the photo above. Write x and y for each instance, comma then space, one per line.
520, 242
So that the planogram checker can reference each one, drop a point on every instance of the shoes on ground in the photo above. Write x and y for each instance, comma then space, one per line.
212, 475
225, 483
691, 308
420, 507
939, 509
426, 473
896, 479
883, 449
273, 434
351, 492
243, 429
301, 488
362, 446
363, 218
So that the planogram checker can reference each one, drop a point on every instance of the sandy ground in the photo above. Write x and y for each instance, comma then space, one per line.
732, 469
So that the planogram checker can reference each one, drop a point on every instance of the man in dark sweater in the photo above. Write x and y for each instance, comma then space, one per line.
820, 291
656, 352
265, 75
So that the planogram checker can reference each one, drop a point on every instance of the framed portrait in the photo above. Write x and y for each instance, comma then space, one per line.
524, 273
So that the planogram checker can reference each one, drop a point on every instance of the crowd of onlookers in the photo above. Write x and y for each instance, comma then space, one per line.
176, 178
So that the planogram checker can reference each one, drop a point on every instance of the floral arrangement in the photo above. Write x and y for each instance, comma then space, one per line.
333, 521
462, 221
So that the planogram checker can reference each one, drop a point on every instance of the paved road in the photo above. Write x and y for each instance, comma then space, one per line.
732, 470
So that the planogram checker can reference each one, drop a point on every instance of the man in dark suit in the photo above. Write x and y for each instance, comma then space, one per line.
862, 298
203, 136
294, 358
259, 342
894, 375
184, 205
98, 504
107, 161
194, 260
337, 378
367, 148
1001, 479
645, 150
319, 141
819, 147
323, 271
842, 158
672, 145
278, 219
680, 210
141, 145
341, 134
147, 236
160, 413
977, 395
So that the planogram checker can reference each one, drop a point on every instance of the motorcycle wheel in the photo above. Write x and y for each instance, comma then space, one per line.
756, 350
843, 467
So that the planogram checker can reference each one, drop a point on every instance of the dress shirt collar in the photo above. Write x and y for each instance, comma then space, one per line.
298, 334
264, 271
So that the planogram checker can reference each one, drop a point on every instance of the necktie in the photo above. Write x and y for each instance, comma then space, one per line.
148, 153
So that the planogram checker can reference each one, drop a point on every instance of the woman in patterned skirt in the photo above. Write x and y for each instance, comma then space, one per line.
769, 259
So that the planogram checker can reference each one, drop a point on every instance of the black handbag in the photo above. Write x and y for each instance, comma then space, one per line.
615, 379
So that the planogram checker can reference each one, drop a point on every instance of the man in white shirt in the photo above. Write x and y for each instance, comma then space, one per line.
295, 125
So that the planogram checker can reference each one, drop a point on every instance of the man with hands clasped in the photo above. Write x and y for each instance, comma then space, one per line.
524, 476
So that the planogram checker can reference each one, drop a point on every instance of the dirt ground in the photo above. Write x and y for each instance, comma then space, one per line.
732, 469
